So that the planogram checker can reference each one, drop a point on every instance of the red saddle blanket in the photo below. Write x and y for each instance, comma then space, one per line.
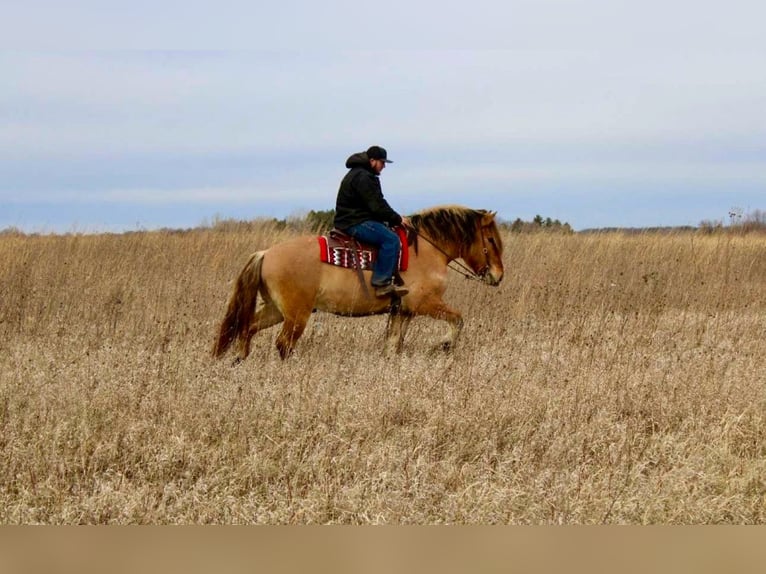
337, 248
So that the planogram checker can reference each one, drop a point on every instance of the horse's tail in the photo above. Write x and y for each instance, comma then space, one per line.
241, 307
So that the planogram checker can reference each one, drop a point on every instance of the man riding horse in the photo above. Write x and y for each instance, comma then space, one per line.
362, 212
289, 281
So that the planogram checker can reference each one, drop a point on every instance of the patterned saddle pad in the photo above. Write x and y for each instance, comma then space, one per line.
337, 248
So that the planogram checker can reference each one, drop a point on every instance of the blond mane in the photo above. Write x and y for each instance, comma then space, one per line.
452, 224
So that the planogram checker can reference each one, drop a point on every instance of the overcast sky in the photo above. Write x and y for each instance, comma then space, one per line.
137, 115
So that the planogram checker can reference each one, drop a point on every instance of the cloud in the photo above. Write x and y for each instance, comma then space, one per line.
151, 197
128, 103
584, 97
656, 26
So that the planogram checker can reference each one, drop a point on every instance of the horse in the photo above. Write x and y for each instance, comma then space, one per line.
292, 282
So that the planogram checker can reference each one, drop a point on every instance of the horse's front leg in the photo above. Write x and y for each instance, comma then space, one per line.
395, 332
438, 309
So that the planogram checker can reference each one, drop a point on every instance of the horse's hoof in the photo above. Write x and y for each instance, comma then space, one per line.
236, 361
444, 347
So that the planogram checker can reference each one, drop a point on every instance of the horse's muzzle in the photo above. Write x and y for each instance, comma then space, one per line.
493, 279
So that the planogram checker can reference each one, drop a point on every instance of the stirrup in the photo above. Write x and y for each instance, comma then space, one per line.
391, 289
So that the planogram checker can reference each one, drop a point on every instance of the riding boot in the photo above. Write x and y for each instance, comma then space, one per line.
390, 289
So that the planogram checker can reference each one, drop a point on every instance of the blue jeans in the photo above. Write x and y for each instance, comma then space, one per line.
387, 242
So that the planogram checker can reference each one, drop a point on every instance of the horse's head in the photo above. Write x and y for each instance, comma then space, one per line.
469, 234
485, 253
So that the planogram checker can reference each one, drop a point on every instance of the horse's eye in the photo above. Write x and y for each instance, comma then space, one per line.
491, 240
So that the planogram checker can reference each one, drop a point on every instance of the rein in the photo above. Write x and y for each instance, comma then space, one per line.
464, 270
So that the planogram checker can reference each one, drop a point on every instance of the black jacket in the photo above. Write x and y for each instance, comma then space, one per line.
360, 197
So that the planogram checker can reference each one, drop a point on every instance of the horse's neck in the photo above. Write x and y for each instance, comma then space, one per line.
450, 249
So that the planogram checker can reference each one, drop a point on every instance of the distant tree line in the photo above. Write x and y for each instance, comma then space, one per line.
321, 221
537, 224
739, 223
313, 221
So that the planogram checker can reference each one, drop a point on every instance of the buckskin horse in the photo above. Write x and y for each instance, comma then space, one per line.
293, 282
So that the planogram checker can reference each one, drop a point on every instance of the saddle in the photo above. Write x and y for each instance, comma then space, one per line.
340, 249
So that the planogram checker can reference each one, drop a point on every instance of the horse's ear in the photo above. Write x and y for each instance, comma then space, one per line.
488, 217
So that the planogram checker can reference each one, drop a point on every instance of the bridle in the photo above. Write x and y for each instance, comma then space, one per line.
463, 269
484, 270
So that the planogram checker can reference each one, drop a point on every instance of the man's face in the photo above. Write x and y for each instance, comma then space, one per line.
378, 165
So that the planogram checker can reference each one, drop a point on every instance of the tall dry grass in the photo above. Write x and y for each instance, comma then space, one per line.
610, 379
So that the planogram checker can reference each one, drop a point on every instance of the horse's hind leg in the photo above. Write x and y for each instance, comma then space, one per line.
266, 316
291, 331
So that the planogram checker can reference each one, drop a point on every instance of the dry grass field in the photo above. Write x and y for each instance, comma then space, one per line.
609, 379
